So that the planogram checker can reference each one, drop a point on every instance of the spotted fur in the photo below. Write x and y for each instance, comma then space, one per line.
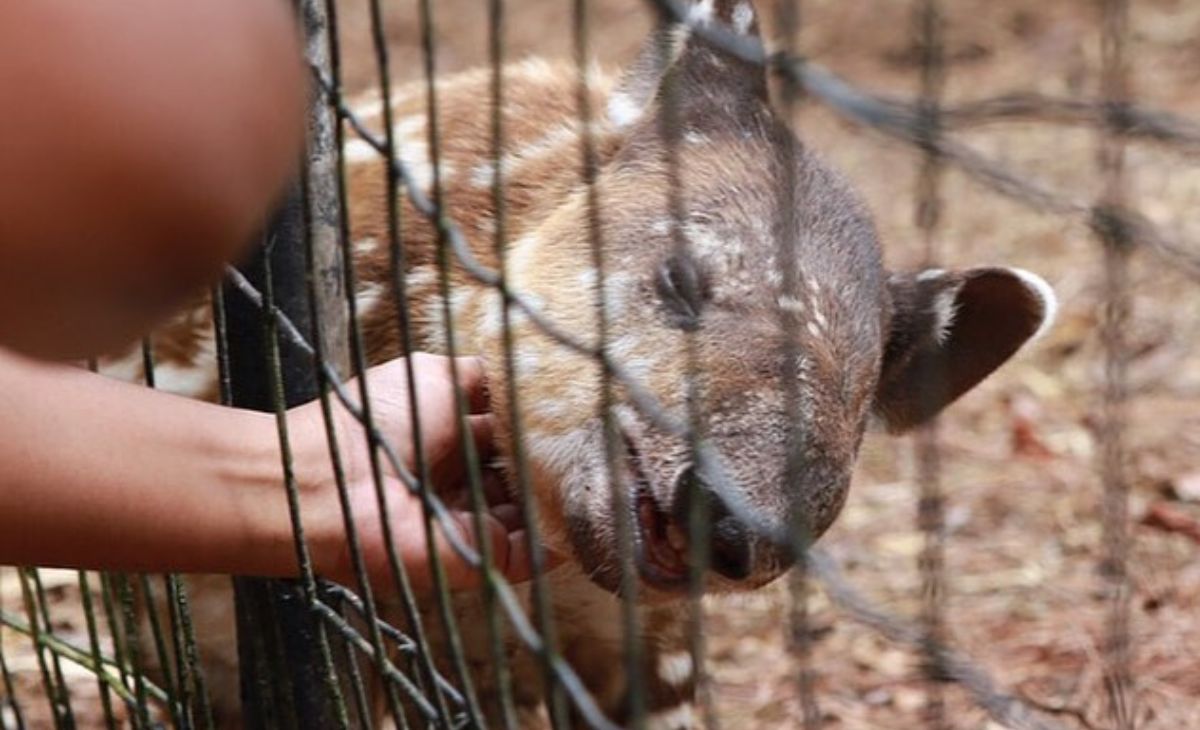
712, 287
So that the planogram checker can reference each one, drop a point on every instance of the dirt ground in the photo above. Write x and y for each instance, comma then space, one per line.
1024, 596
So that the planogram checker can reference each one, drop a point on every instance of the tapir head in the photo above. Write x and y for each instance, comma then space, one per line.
744, 290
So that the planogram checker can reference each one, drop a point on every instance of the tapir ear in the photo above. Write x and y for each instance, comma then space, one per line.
949, 331
701, 68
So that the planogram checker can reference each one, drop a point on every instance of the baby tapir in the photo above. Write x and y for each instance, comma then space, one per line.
731, 252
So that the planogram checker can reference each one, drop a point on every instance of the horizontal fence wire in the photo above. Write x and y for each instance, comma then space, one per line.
403, 657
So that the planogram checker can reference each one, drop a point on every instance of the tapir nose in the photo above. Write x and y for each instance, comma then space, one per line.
731, 548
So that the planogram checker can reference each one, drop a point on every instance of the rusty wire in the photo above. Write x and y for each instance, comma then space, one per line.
1117, 243
929, 41
800, 587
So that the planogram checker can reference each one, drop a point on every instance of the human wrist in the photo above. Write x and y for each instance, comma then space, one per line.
317, 488
252, 474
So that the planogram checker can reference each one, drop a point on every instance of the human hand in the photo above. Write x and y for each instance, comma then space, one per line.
444, 457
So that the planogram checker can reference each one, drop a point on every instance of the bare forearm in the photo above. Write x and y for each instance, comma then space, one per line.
101, 474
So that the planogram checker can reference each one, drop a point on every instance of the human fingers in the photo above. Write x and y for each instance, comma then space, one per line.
448, 458
461, 574
483, 435
473, 380
495, 487
509, 548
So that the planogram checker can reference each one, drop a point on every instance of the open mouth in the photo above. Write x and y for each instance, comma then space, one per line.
660, 545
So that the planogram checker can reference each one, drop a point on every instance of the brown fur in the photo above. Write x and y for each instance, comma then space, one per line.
712, 287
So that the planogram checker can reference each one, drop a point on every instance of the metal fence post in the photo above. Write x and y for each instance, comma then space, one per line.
279, 636
278, 650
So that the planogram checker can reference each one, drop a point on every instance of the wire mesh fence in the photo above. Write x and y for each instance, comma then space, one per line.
302, 321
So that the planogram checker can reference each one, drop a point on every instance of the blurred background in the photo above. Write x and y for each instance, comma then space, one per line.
1024, 595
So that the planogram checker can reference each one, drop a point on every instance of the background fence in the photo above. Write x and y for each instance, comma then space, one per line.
1007, 624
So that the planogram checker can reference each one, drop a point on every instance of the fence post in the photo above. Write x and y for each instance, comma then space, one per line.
280, 639
277, 647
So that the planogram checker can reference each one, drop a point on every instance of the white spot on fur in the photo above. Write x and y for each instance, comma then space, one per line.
623, 110
1045, 294
368, 109
694, 137
676, 668
550, 409
587, 279
743, 16
414, 155
421, 277
368, 298
931, 274
483, 175
677, 718
819, 317
701, 12
629, 351
192, 381
526, 362
813, 329
707, 244
410, 126
127, 367
791, 304
460, 299
518, 318
491, 318
358, 151
617, 288
364, 246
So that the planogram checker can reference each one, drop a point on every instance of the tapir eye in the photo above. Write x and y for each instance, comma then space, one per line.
683, 288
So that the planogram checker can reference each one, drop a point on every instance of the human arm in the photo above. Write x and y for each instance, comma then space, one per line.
100, 474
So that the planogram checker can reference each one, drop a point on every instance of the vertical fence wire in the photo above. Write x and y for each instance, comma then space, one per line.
928, 38
11, 715
543, 616
524, 630
632, 646
698, 528
309, 591
1115, 323
317, 194
325, 244
398, 573
434, 141
496, 56
788, 16
171, 677
127, 620
93, 629
158, 642
117, 637
56, 691
188, 656
365, 719
93, 634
